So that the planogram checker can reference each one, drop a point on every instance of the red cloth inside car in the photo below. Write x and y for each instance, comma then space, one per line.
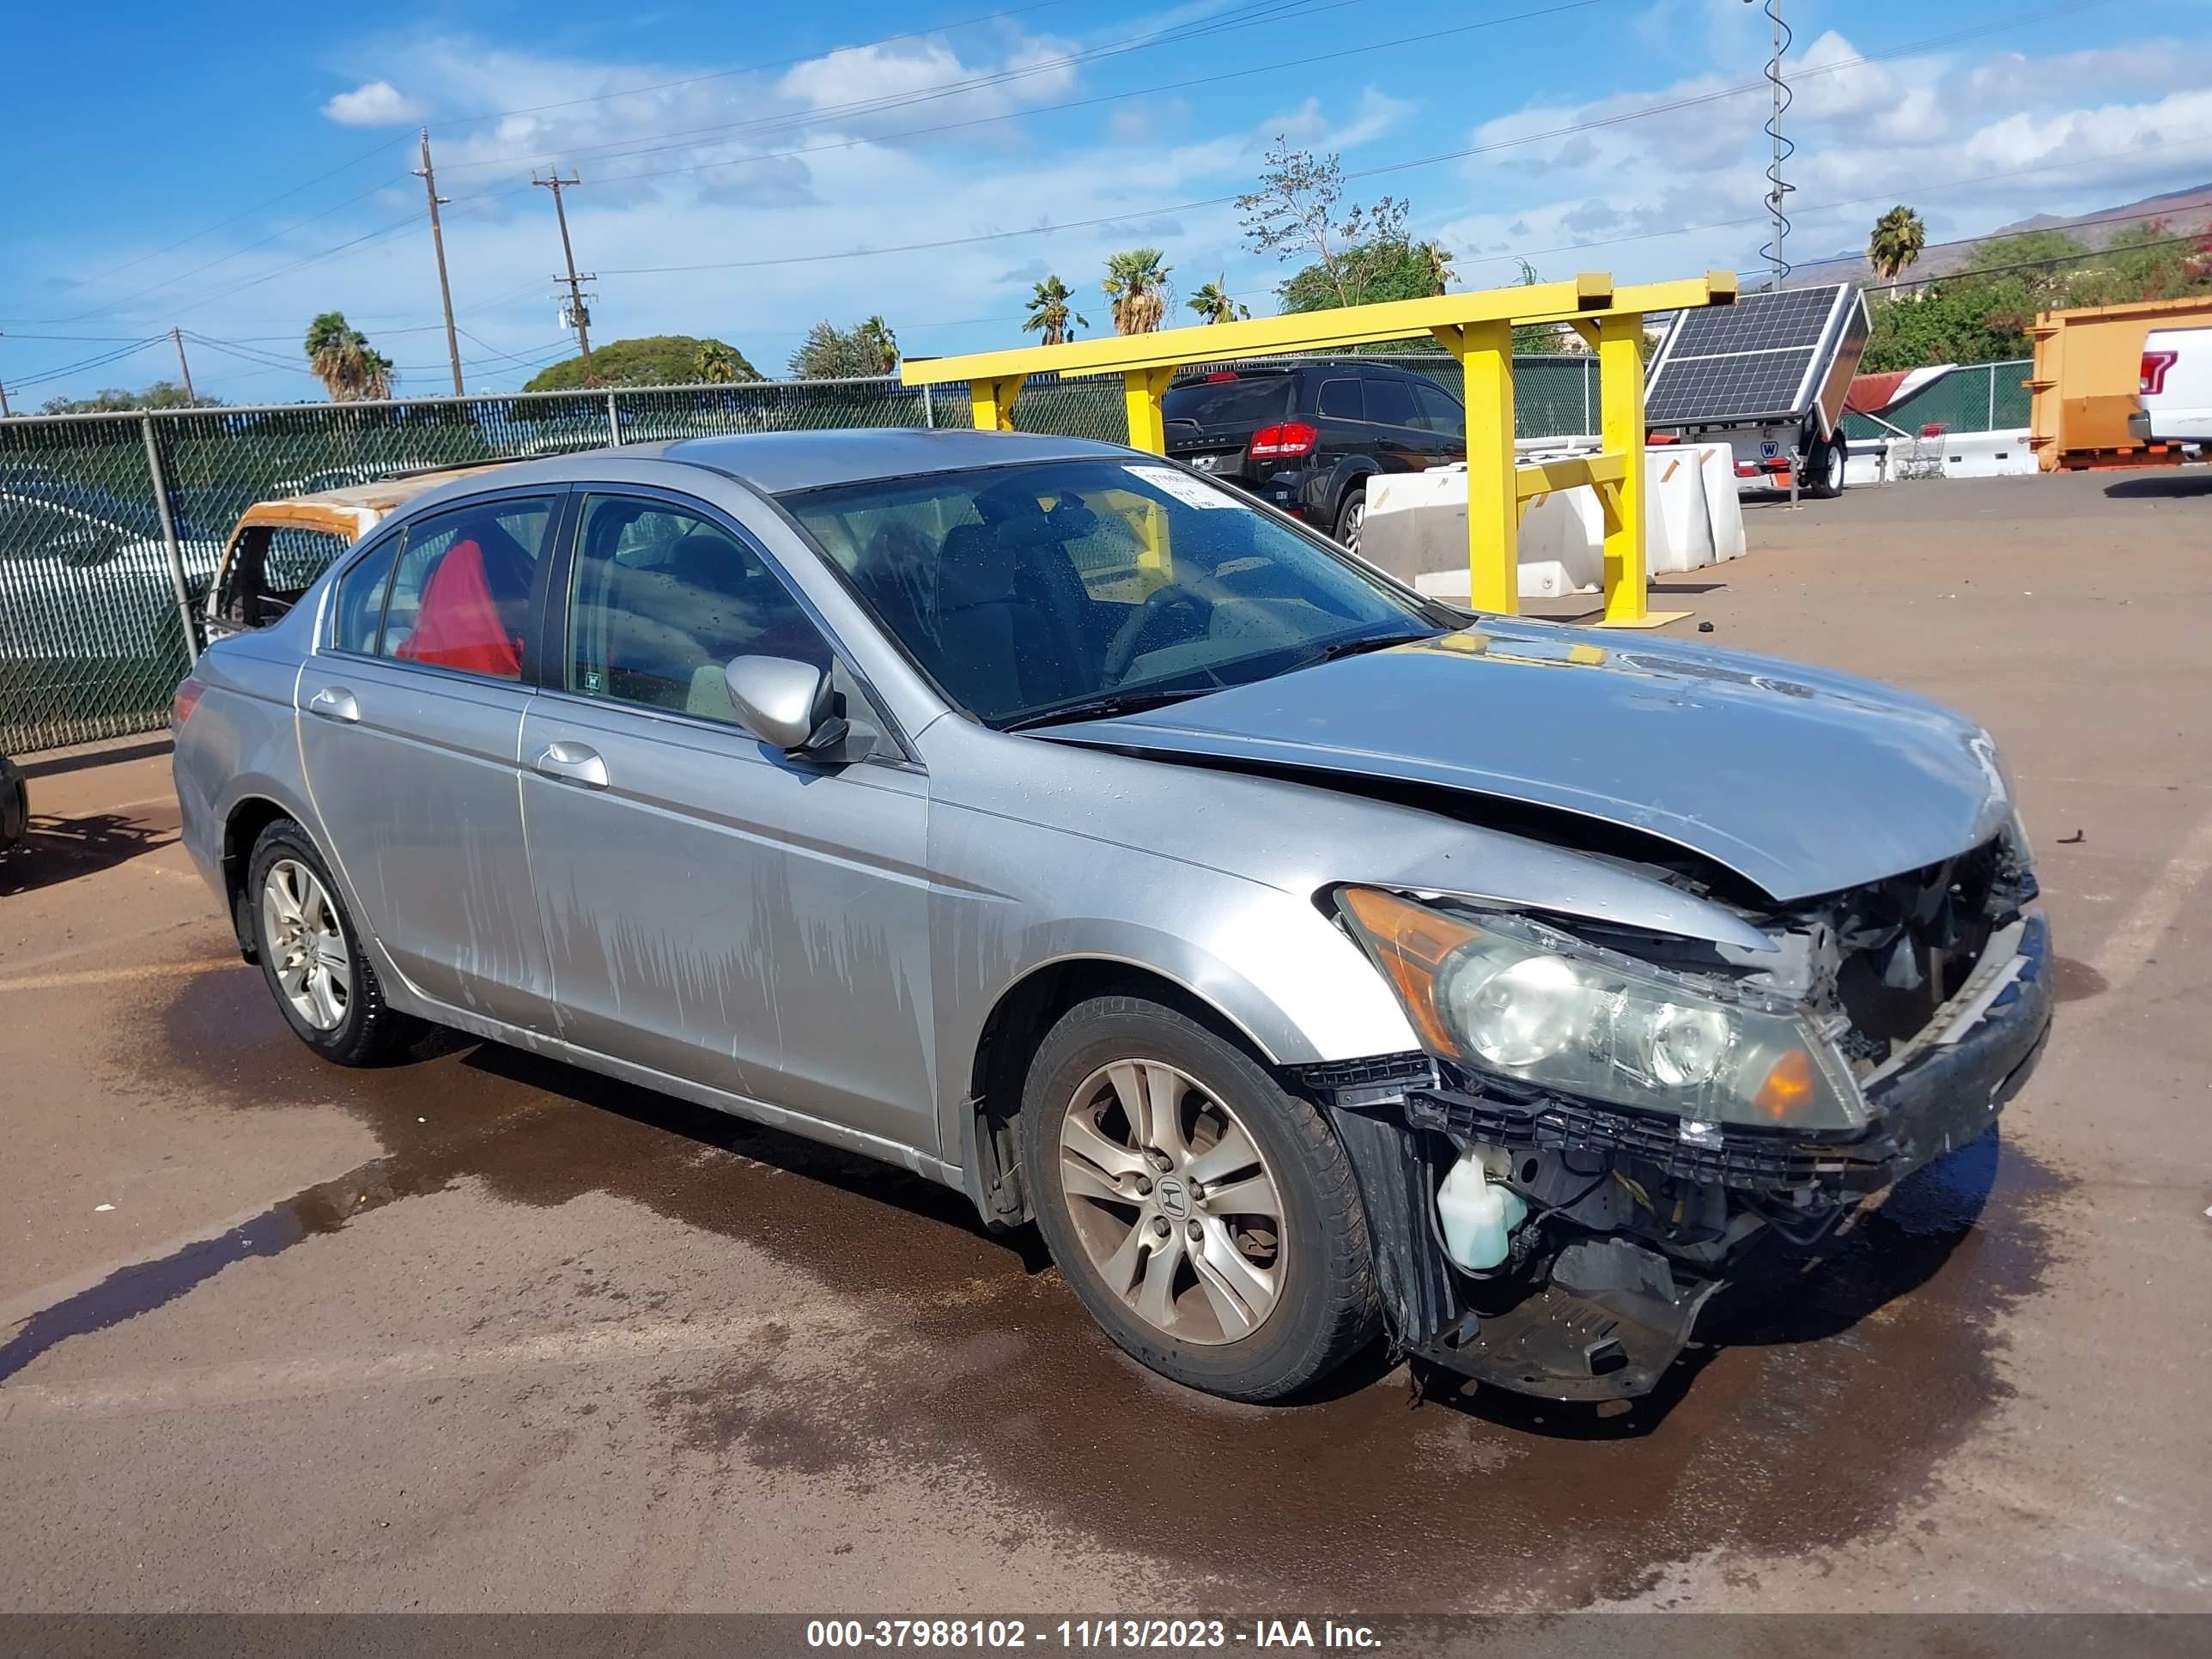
458, 625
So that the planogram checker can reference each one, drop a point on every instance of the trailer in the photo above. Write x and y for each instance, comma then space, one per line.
1767, 377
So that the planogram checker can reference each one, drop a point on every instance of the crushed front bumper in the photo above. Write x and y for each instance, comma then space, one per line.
1610, 1311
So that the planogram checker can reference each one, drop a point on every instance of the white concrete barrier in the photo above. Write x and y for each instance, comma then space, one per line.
1723, 502
1985, 455
1946, 455
1416, 523
1677, 531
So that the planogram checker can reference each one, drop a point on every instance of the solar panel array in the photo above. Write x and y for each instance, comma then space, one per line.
1750, 360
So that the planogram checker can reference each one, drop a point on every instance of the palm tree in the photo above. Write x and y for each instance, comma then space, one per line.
1895, 244
1213, 304
1137, 289
341, 357
876, 334
1049, 315
1439, 259
714, 360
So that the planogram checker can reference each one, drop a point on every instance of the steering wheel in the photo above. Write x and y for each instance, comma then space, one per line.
1160, 603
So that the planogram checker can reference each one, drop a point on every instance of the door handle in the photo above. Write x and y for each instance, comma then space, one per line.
573, 763
334, 703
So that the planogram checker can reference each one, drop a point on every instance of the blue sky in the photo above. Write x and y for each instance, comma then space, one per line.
748, 169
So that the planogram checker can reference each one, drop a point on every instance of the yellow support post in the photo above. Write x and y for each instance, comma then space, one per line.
1141, 391
991, 402
1485, 351
1620, 398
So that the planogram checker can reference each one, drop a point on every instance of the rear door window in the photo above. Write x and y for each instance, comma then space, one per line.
1390, 402
460, 595
1340, 400
1440, 411
361, 597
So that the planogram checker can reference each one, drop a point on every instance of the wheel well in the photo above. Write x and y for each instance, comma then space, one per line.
239, 831
1010, 1038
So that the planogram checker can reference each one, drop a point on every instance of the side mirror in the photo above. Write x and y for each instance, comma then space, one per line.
787, 703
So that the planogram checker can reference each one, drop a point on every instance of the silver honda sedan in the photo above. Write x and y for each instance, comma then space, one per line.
1307, 960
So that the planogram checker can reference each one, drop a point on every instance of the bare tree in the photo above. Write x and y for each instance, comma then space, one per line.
1297, 213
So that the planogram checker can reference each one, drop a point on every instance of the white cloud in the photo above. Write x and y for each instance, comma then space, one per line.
852, 80
2013, 77
1310, 126
373, 104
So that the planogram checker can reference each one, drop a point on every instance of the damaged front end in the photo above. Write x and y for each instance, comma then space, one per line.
1603, 1128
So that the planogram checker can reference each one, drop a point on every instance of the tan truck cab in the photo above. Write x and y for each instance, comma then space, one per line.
274, 553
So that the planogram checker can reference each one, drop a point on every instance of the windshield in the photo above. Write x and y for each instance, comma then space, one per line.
1026, 591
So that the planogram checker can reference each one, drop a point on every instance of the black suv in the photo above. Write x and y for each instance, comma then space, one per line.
1307, 436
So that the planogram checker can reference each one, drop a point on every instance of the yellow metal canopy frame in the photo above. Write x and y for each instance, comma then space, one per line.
1477, 328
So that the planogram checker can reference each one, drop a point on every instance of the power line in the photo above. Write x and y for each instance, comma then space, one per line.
343, 166
2194, 236
103, 361
1664, 108
1252, 12
171, 248
1335, 56
1668, 107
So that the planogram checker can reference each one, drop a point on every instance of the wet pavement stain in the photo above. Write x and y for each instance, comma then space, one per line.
2075, 982
1807, 1422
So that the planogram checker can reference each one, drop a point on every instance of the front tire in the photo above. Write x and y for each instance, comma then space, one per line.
311, 954
1205, 1216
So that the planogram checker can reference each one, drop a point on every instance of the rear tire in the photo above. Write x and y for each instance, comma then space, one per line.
1352, 518
1219, 1241
311, 954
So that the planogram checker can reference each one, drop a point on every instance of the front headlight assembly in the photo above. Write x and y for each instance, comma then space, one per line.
1511, 998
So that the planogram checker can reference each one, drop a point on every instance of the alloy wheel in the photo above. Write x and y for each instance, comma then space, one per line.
1172, 1202
307, 945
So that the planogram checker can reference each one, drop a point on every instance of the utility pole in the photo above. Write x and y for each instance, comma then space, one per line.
438, 244
4, 410
192, 398
578, 314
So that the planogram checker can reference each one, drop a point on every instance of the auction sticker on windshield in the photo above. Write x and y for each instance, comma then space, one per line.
1182, 486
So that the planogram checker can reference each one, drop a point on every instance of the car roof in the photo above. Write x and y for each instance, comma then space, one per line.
1199, 376
782, 463
778, 463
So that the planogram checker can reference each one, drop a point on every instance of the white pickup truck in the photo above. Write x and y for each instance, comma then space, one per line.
2176, 387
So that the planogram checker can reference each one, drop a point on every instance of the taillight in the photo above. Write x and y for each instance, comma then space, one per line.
1219, 375
1291, 438
2154, 365
186, 699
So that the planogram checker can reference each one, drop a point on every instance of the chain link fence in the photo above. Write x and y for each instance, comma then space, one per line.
92, 635
1973, 398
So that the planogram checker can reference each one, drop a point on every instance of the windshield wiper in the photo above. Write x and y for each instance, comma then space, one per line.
1364, 643
1104, 707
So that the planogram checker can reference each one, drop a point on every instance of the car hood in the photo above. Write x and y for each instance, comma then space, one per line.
1800, 781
